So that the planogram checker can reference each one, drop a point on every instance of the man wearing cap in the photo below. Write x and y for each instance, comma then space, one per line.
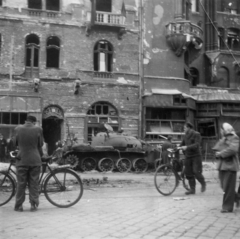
29, 139
193, 158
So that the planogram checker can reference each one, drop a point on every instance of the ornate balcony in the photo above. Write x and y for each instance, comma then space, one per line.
106, 20
183, 33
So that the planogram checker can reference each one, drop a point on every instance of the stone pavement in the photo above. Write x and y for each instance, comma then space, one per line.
126, 210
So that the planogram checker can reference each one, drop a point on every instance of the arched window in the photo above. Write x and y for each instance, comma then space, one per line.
100, 113
194, 76
35, 4
222, 77
53, 5
53, 52
32, 51
103, 55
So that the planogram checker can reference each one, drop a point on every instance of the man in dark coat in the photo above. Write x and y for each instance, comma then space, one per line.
29, 139
193, 158
3, 148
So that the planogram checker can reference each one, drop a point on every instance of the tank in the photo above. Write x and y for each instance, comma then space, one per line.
111, 150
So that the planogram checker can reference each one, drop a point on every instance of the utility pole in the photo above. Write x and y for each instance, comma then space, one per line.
11, 63
141, 70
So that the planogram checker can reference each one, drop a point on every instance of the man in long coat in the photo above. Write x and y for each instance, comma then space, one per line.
29, 139
193, 158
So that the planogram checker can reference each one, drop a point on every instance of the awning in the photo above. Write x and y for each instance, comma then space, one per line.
162, 97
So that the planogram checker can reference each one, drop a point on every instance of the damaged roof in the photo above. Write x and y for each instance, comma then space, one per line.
217, 97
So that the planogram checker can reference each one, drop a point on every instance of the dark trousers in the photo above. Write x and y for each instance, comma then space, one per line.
193, 170
27, 175
228, 184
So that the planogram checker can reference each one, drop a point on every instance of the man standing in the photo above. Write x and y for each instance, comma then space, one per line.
29, 139
193, 158
3, 148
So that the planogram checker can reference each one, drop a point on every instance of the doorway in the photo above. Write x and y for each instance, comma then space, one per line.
52, 132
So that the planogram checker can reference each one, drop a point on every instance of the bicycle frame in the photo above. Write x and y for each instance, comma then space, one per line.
42, 177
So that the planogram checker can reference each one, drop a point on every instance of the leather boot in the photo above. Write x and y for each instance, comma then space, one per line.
191, 191
192, 184
33, 207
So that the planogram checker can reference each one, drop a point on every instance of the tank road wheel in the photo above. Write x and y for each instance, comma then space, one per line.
72, 159
88, 164
105, 165
123, 165
140, 165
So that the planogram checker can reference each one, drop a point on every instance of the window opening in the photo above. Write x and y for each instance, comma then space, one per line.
195, 5
10, 118
99, 114
35, 4
104, 5
233, 39
53, 52
207, 129
231, 6
53, 5
221, 44
103, 56
32, 51
195, 76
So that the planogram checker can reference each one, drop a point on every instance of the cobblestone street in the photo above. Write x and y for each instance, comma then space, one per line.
130, 210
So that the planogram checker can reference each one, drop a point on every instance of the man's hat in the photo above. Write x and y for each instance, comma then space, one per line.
31, 118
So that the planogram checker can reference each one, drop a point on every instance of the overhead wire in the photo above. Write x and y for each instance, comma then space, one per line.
218, 33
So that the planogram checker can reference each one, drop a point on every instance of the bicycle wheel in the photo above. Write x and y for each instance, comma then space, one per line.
63, 188
165, 180
7, 188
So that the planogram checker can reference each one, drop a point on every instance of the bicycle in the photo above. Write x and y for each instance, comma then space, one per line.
168, 176
61, 186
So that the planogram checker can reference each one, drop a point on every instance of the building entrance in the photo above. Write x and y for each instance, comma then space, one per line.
52, 126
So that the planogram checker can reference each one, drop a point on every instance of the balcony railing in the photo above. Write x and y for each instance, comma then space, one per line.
41, 13
184, 27
107, 18
180, 34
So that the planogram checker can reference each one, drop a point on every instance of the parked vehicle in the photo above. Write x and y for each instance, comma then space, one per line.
111, 150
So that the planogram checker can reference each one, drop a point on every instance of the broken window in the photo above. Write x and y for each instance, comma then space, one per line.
10, 118
207, 128
104, 5
35, 4
231, 6
53, 52
99, 114
103, 54
32, 51
53, 5
194, 76
233, 39
179, 100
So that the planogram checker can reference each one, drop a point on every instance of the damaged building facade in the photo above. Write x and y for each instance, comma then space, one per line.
142, 66
191, 58
73, 64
